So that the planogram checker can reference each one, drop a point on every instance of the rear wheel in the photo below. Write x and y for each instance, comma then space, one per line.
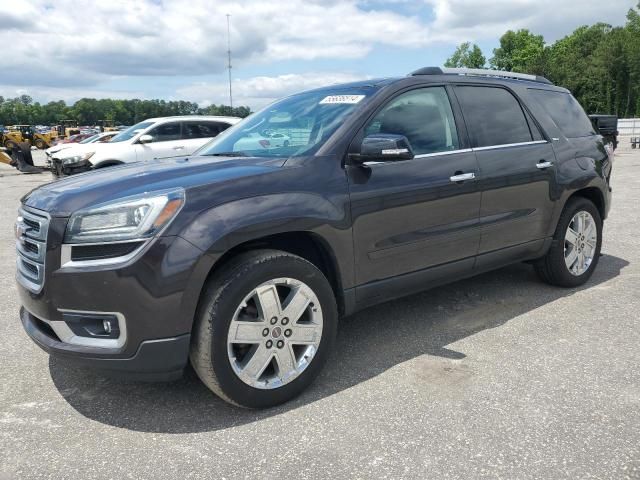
265, 326
40, 144
576, 245
10, 145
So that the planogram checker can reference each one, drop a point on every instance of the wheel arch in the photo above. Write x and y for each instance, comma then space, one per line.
594, 195
305, 244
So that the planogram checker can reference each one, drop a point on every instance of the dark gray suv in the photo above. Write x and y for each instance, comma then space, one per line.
243, 256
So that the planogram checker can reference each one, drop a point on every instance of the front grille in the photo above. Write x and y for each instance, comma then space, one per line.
35, 226
31, 246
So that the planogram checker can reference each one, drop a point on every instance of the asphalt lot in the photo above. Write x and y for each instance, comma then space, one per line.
499, 376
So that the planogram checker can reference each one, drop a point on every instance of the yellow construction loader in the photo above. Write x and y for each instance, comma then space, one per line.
107, 126
17, 134
20, 158
68, 128
4, 158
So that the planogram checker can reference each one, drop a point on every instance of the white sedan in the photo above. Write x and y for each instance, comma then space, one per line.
54, 152
264, 139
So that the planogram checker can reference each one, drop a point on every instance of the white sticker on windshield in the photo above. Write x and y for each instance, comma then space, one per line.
342, 99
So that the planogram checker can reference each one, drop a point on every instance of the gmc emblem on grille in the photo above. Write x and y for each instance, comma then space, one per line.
21, 229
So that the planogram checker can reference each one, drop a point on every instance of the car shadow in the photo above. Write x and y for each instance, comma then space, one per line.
368, 344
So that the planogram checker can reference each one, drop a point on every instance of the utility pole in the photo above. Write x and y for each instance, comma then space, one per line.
229, 64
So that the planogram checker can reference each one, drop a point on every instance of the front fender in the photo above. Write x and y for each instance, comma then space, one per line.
223, 227
219, 229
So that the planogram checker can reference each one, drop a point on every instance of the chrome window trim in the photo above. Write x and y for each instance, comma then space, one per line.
422, 155
445, 152
508, 145
462, 150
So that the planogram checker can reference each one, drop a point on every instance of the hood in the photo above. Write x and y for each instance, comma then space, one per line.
73, 149
58, 147
62, 198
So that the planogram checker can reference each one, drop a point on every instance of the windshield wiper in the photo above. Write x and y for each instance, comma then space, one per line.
227, 154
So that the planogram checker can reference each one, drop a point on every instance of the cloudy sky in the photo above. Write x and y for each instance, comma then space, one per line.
176, 49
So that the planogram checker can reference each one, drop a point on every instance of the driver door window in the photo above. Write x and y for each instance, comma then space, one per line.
167, 142
166, 132
424, 116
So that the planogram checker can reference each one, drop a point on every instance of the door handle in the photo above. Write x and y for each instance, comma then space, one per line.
461, 177
542, 164
178, 148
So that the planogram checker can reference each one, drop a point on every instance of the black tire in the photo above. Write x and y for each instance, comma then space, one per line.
10, 145
552, 268
221, 297
40, 144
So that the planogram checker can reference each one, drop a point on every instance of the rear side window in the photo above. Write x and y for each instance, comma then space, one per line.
493, 116
202, 129
565, 111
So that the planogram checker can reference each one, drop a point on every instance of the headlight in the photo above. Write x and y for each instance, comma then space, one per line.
77, 158
134, 218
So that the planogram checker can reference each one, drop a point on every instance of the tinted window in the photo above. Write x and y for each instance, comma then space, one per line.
203, 129
565, 111
166, 132
298, 125
493, 116
131, 132
424, 116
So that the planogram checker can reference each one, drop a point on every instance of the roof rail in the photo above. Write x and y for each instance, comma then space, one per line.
480, 72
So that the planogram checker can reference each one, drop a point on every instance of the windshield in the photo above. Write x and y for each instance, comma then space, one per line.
90, 139
131, 132
295, 126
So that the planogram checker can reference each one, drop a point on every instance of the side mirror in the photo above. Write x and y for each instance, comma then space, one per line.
145, 139
383, 147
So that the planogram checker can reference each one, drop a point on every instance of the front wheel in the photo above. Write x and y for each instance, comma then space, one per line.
575, 250
264, 328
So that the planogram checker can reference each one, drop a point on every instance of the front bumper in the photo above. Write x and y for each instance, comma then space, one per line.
61, 170
155, 360
154, 296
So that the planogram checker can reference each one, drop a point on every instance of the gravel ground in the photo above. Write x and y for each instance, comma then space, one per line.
499, 376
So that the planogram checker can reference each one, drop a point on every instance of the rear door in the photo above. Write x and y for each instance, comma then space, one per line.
517, 171
411, 215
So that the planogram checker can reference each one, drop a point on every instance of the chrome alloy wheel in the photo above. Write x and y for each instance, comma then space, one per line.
580, 243
275, 333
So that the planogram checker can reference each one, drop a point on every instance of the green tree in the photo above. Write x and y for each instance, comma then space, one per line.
520, 51
466, 56
632, 53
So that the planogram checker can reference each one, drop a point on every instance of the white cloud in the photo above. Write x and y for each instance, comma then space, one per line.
74, 47
76, 42
260, 91
489, 19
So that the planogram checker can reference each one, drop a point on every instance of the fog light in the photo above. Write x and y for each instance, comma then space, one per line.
92, 324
